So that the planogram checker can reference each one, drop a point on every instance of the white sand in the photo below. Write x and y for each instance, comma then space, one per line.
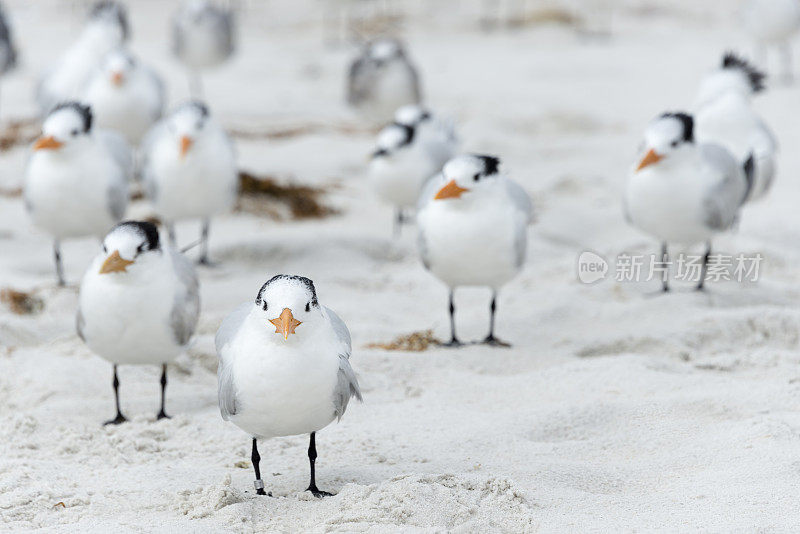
614, 411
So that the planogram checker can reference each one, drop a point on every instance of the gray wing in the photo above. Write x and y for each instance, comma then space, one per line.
80, 324
146, 148
118, 196
723, 200
161, 91
226, 391
119, 149
522, 203
227, 29
347, 383
359, 81
186, 306
412, 72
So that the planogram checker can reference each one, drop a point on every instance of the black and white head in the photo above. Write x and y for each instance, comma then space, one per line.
383, 51
734, 74
66, 127
118, 66
130, 245
393, 138
113, 15
187, 125
288, 301
412, 115
669, 134
468, 173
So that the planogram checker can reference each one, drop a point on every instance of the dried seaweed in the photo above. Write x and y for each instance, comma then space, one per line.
260, 194
413, 342
20, 302
19, 132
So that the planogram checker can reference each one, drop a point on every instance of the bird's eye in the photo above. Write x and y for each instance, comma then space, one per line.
674, 144
476, 177
74, 132
265, 305
140, 249
308, 306
105, 250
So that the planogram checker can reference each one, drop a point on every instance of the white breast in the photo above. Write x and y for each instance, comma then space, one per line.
131, 109
202, 184
471, 244
68, 194
127, 318
283, 388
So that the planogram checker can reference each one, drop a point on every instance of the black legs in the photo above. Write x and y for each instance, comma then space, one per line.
312, 458
256, 459
704, 268
204, 242
59, 267
119, 418
454, 342
665, 263
162, 414
490, 339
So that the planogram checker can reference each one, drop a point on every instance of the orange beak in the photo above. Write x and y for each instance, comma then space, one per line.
117, 78
48, 143
114, 264
285, 323
648, 159
450, 190
186, 144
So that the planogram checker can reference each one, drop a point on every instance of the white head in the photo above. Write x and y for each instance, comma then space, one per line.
411, 115
187, 125
393, 138
468, 174
118, 67
128, 247
669, 134
287, 302
68, 126
734, 74
384, 50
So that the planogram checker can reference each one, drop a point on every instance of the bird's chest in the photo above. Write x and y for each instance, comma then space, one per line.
128, 322
471, 247
286, 378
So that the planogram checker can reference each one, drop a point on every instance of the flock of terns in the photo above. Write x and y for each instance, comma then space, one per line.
284, 364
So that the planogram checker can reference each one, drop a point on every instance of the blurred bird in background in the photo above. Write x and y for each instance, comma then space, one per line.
203, 37
725, 115
126, 95
189, 169
8, 52
772, 23
105, 30
381, 80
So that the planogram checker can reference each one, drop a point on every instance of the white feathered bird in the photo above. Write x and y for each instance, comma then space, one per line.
473, 229
284, 367
725, 115
139, 303
772, 23
126, 95
76, 182
189, 169
105, 30
684, 192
